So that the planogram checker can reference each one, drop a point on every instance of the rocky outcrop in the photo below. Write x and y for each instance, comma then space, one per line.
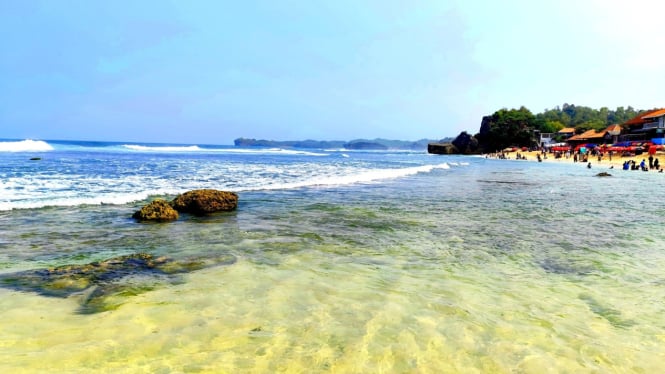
463, 144
206, 201
442, 149
158, 211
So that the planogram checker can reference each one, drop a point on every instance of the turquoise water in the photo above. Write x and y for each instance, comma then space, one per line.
478, 266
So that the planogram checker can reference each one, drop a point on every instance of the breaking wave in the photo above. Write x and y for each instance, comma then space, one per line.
27, 145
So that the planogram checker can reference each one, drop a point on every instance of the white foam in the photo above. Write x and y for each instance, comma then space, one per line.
357, 178
27, 145
143, 148
195, 148
38, 190
273, 151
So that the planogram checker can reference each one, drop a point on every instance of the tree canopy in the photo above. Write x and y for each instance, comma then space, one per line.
583, 118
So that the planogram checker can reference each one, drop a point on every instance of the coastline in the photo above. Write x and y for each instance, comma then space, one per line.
605, 163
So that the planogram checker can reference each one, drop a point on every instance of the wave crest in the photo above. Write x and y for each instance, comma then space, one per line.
190, 148
27, 145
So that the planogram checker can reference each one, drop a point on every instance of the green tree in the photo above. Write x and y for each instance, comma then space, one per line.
551, 126
508, 128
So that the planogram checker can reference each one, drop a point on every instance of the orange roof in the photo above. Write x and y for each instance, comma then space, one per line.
641, 118
566, 130
590, 134
655, 114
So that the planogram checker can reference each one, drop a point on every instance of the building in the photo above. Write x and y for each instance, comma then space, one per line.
589, 137
649, 125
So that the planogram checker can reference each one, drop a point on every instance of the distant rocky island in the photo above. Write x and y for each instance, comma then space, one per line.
357, 144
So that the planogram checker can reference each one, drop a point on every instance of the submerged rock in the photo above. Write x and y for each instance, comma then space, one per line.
158, 210
102, 284
206, 201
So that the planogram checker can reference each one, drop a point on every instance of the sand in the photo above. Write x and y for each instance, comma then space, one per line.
604, 163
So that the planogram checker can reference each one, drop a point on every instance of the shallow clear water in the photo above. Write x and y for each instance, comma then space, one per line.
488, 266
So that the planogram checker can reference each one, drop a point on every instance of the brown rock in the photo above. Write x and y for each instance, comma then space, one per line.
442, 149
202, 202
158, 210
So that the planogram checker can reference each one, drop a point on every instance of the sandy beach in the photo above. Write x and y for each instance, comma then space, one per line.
605, 163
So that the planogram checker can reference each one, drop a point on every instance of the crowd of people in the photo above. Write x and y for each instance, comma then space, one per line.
597, 155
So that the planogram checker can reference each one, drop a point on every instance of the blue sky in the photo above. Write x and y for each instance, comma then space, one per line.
211, 71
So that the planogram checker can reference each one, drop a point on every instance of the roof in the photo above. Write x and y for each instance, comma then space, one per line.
566, 130
590, 134
656, 114
641, 119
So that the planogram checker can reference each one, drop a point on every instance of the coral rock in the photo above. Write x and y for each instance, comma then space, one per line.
158, 210
202, 202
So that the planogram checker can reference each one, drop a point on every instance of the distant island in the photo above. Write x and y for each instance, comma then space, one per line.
357, 144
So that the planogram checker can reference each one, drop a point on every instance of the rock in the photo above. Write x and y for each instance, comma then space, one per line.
206, 201
65, 280
158, 210
442, 149
104, 285
603, 174
465, 143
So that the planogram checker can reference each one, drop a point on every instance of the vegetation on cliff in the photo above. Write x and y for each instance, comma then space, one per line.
519, 127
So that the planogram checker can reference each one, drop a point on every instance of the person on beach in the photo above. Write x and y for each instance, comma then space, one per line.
656, 164
650, 161
643, 165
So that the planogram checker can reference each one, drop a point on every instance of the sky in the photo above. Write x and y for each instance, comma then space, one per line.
207, 72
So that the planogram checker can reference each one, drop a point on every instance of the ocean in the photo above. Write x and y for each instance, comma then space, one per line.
334, 261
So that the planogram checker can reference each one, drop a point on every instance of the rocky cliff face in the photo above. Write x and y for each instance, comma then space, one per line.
466, 143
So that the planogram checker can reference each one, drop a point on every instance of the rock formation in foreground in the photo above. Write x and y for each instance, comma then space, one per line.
104, 285
202, 202
196, 202
158, 210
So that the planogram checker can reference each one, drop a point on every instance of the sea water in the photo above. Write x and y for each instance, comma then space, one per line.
335, 261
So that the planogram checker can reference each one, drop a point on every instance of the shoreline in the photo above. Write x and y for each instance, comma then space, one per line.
605, 163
